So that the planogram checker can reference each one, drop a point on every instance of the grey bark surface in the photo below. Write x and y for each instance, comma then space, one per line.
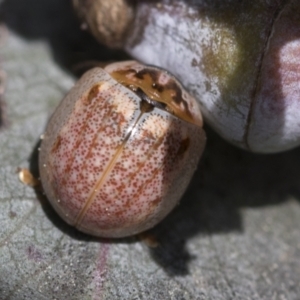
235, 234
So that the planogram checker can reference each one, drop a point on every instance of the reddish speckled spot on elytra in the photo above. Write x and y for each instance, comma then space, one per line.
57, 144
184, 145
93, 93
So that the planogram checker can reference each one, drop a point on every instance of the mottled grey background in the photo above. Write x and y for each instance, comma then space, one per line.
235, 234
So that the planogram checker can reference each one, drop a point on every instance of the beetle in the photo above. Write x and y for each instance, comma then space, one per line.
120, 149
